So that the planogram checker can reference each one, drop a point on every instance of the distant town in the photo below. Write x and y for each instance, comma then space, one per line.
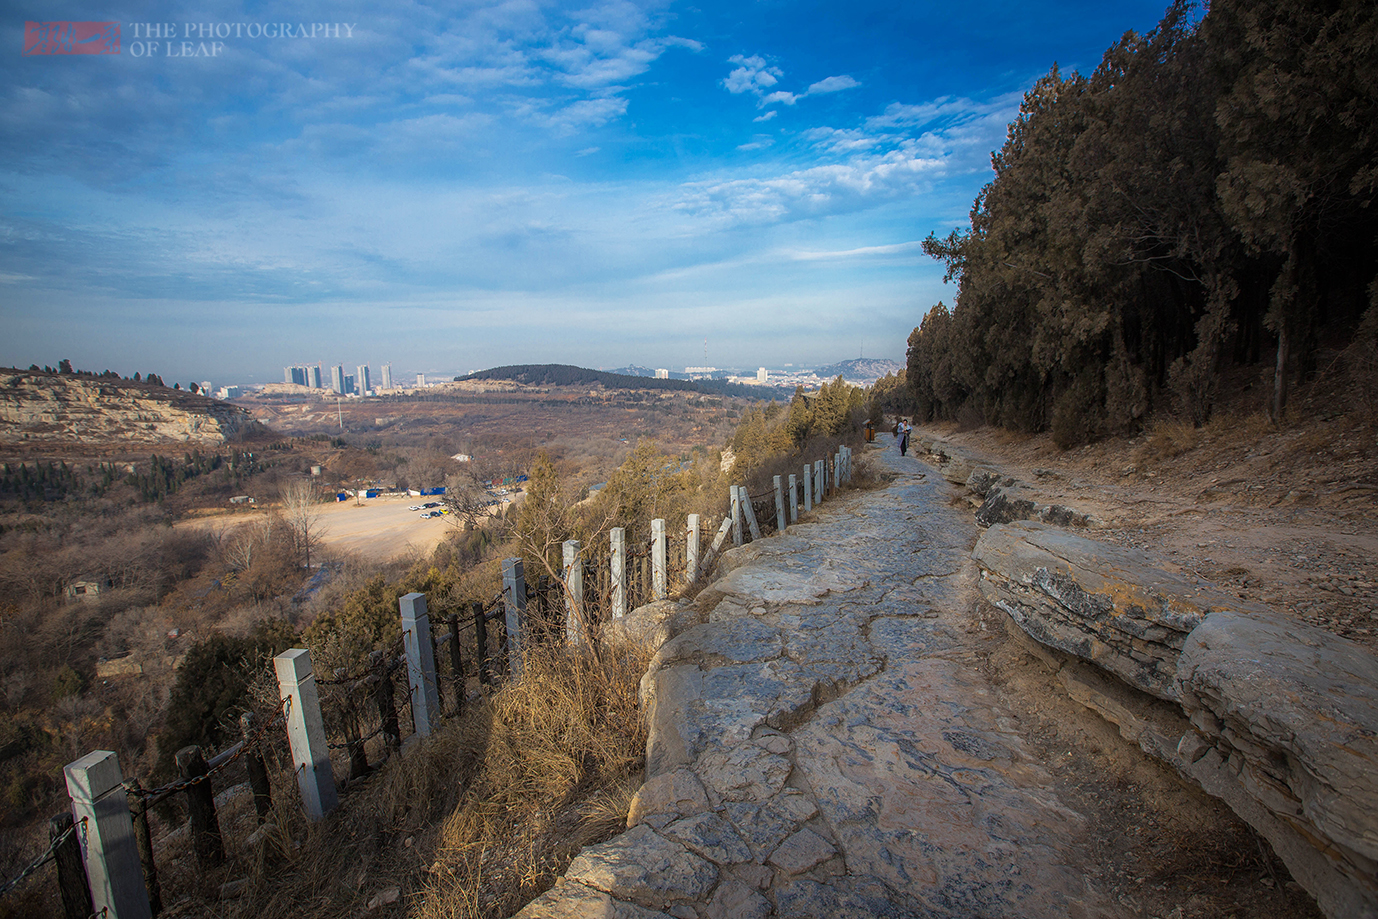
362, 382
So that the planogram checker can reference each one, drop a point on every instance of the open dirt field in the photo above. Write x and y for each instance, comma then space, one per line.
381, 528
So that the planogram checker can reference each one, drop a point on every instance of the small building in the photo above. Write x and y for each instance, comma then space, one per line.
89, 586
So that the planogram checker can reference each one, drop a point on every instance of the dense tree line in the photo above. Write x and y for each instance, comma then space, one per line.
1201, 201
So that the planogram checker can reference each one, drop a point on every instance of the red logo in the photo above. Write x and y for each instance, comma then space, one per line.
71, 38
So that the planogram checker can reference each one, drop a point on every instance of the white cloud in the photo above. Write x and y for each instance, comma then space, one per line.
787, 98
817, 191
753, 75
767, 116
760, 143
832, 85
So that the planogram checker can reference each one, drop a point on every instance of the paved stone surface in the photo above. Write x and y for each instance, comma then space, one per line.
823, 743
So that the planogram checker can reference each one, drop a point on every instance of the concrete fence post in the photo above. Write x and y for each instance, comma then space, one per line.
514, 598
837, 470
818, 481
306, 732
793, 499
617, 543
691, 550
807, 482
749, 512
779, 505
660, 561
416, 640
573, 562
94, 784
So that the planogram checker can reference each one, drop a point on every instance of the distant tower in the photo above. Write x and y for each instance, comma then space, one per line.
761, 376
337, 379
387, 376
316, 377
361, 379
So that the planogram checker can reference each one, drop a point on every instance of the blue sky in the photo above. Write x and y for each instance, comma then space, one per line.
448, 188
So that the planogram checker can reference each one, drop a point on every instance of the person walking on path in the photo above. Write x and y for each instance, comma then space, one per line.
904, 437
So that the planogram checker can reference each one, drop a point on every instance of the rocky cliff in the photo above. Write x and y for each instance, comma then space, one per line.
48, 408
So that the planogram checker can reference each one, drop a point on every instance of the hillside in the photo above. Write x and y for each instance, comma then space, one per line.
864, 370
39, 409
568, 375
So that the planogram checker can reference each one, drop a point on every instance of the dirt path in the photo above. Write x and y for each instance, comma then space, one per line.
848, 732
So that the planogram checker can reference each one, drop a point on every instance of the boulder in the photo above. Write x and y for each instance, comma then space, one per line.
984, 478
1290, 714
1109, 606
652, 625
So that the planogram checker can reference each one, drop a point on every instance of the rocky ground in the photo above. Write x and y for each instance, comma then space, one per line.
1287, 517
842, 727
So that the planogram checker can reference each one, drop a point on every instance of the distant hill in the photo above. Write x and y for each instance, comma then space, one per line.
860, 370
567, 375
631, 370
39, 407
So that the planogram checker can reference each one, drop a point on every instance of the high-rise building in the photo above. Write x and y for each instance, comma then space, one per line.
662, 374
387, 376
761, 375
316, 377
420, 380
337, 379
348, 384
361, 378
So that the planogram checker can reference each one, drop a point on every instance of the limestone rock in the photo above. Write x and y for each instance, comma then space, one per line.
739, 641
668, 796
652, 625
1294, 712
64, 408
745, 772
711, 836
1005, 504
984, 478
642, 866
802, 851
735, 900
1109, 606
568, 900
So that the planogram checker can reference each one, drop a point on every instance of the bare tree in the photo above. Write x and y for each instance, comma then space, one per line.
299, 499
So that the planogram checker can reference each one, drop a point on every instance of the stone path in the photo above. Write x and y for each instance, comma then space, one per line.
823, 742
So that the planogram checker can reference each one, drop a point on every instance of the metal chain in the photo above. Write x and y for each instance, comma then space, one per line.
42, 859
148, 795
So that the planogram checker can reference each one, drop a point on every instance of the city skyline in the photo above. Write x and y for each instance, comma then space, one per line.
515, 183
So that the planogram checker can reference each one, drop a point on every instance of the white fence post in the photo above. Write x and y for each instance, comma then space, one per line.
818, 481
837, 469
94, 784
617, 539
691, 550
749, 512
736, 515
793, 499
660, 560
416, 640
306, 732
574, 592
514, 599
808, 487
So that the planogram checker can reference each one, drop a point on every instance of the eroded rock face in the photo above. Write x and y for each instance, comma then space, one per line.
48, 408
1283, 718
1291, 713
1106, 605
1007, 503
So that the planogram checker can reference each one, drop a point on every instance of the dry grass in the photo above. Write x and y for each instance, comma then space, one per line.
562, 762
474, 821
